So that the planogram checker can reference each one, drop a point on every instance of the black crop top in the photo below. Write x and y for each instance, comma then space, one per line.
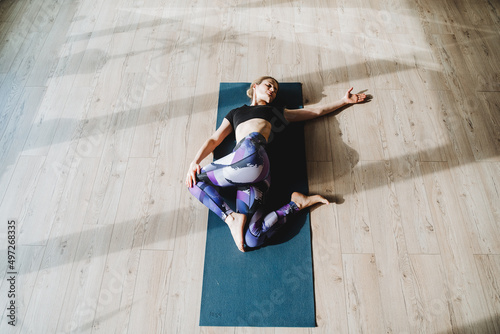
245, 113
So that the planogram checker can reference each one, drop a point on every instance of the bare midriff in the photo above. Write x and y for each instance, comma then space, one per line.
253, 125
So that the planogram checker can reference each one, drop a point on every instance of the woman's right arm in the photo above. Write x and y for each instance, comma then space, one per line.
208, 147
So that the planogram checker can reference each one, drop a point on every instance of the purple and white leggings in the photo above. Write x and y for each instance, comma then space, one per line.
247, 169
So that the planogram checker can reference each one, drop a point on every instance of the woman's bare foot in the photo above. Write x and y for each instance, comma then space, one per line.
303, 201
236, 223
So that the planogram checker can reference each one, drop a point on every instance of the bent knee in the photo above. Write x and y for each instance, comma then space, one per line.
253, 241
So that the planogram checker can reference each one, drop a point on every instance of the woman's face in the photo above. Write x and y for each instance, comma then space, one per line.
266, 91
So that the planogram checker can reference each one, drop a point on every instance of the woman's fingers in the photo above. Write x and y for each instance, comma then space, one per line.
189, 179
355, 98
191, 175
192, 178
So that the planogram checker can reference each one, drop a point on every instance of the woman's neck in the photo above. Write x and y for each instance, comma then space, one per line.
256, 102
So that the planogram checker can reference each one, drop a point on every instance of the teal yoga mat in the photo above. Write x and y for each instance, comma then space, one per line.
271, 286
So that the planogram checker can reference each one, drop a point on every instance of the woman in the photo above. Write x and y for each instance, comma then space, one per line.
247, 167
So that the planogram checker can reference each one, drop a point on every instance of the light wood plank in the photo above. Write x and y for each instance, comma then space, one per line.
430, 307
151, 119
13, 137
20, 192
116, 297
60, 87
59, 17
57, 262
11, 9
355, 224
62, 157
95, 32
364, 313
151, 293
490, 104
433, 18
186, 282
108, 89
119, 136
398, 127
146, 36
490, 175
327, 253
478, 127
382, 62
489, 268
458, 149
234, 63
389, 244
416, 217
332, 57
479, 57
479, 221
462, 280
161, 228
372, 136
21, 21
308, 64
84, 284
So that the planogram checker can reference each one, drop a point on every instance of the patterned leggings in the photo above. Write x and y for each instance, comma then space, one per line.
247, 169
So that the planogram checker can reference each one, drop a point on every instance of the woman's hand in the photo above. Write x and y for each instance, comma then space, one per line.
353, 98
194, 169
207, 148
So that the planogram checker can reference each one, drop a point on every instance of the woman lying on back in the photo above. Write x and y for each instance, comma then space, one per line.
247, 168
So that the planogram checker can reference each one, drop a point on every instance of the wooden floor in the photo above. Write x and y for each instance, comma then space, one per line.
104, 103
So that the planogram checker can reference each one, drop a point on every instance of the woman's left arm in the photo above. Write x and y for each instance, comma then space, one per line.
310, 112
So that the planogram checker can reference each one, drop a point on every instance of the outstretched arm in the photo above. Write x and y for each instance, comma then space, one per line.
307, 113
208, 147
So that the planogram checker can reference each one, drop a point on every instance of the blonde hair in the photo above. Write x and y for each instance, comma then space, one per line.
258, 82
